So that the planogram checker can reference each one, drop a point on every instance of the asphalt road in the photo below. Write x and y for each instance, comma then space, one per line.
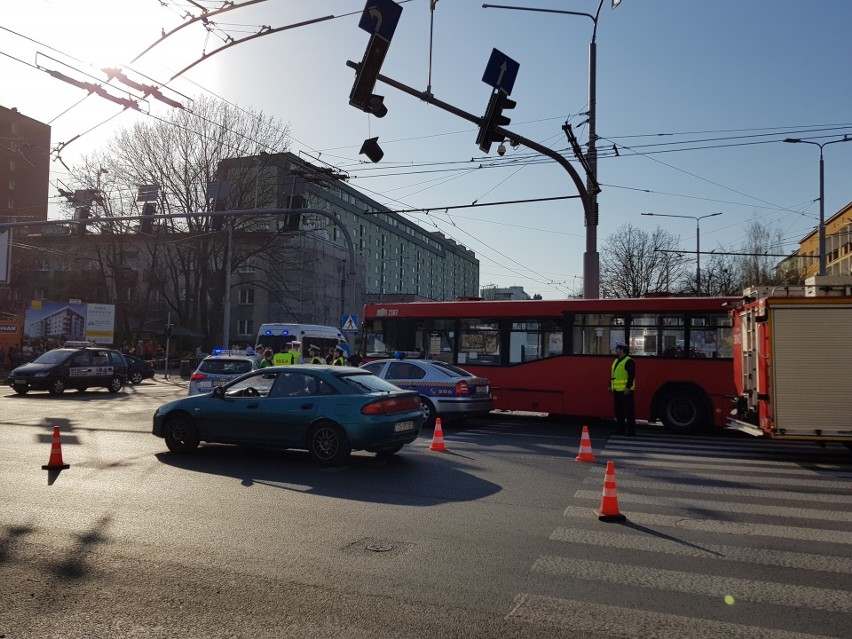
725, 535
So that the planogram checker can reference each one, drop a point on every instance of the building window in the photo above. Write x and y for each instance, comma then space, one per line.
246, 296
248, 267
12, 165
43, 265
11, 184
245, 327
38, 294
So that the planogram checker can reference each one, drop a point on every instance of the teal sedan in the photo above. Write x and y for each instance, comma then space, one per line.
327, 410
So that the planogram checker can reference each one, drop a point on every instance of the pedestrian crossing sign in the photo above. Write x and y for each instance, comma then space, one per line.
349, 323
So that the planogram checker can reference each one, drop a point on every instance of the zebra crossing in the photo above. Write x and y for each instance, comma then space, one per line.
724, 538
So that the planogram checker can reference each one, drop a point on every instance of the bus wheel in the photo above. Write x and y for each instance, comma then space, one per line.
683, 411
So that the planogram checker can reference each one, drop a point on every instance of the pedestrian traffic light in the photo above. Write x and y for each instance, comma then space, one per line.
372, 150
82, 213
147, 224
494, 118
362, 96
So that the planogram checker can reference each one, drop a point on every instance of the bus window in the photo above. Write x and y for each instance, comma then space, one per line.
643, 334
441, 340
596, 333
673, 336
711, 336
479, 343
534, 339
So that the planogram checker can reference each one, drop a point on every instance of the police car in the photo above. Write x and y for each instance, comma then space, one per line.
446, 391
220, 367
77, 368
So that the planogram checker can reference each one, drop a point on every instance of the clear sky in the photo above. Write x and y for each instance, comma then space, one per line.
695, 95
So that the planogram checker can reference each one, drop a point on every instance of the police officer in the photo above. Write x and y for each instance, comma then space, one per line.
622, 383
339, 359
314, 350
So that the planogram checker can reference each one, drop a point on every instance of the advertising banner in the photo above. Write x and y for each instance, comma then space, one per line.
100, 323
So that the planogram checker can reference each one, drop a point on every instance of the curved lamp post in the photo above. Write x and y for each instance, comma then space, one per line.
697, 219
821, 228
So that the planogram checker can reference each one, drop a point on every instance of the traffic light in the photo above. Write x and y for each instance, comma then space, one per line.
494, 118
372, 150
361, 96
147, 224
82, 213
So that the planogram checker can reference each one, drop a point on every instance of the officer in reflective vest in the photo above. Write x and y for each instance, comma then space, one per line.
339, 359
293, 356
622, 383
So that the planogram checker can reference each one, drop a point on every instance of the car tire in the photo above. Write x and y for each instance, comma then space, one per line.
21, 390
115, 385
135, 378
57, 386
428, 410
682, 411
387, 452
180, 433
328, 444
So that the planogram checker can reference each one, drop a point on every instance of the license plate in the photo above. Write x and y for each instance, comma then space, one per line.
403, 426
22, 382
220, 382
205, 387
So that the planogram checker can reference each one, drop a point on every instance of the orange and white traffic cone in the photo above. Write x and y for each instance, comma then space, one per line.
438, 437
586, 454
609, 500
55, 461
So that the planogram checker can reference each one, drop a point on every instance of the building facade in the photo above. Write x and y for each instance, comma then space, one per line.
838, 246
24, 167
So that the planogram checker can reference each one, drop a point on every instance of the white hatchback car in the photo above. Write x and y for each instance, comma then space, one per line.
219, 368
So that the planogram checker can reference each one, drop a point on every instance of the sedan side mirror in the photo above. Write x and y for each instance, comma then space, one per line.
219, 391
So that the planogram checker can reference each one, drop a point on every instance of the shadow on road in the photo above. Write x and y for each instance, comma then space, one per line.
413, 477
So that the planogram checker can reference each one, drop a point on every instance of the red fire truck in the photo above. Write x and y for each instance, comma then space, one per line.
792, 354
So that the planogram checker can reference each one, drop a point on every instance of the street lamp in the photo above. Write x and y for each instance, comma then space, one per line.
591, 259
821, 228
697, 219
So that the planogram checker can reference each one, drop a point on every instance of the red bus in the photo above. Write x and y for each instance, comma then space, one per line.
554, 356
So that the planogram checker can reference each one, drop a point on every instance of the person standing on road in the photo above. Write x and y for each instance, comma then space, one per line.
294, 355
622, 383
267, 358
314, 350
339, 359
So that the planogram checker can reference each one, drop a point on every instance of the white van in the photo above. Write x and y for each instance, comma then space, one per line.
276, 335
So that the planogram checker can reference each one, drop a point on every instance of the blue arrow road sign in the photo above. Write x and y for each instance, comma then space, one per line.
501, 72
380, 18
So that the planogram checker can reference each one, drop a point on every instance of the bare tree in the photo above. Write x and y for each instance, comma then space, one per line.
181, 154
756, 266
635, 262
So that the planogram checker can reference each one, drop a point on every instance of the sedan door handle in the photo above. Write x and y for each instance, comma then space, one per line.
306, 406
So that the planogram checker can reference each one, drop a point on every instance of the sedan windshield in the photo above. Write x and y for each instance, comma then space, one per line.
52, 357
367, 383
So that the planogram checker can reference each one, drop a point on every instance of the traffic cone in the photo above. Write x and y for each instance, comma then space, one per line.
609, 500
438, 437
55, 462
586, 454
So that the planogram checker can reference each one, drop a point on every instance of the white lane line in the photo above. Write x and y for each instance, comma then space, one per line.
588, 619
721, 506
780, 469
721, 527
650, 543
695, 583
727, 491
796, 482
659, 453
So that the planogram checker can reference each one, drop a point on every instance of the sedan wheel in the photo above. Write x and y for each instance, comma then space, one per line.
328, 444
180, 434
135, 378
115, 385
428, 410
57, 387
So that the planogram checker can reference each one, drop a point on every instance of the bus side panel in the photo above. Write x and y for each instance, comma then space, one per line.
580, 385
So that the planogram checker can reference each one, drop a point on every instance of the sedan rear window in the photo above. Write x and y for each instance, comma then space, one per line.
367, 383
225, 366
451, 370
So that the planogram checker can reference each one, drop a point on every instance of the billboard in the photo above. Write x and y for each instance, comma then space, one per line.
5, 255
72, 320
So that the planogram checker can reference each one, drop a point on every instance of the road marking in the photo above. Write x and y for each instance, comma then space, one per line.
695, 583
762, 493
588, 619
671, 546
721, 506
724, 527
775, 480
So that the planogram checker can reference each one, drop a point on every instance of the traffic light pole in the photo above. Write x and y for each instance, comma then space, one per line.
591, 259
